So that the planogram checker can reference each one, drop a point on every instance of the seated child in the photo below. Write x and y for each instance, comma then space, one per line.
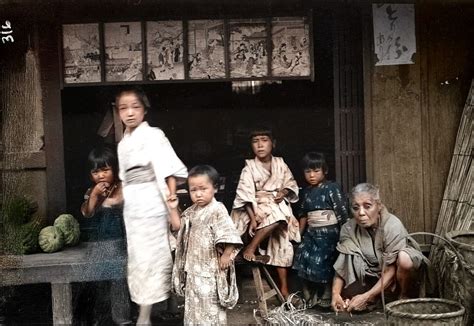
104, 202
206, 246
262, 207
323, 209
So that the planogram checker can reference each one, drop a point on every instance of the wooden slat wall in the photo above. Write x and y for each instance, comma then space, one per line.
348, 99
412, 115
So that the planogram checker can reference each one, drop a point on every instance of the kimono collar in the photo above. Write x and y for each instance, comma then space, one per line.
138, 130
198, 209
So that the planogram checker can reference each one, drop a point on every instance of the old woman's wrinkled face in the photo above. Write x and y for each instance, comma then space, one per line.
366, 210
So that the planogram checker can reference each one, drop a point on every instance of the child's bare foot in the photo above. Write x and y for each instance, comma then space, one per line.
249, 254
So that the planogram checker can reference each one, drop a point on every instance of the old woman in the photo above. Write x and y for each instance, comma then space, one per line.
372, 239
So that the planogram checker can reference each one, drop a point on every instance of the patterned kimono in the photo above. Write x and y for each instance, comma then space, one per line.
258, 186
146, 158
196, 274
361, 256
325, 207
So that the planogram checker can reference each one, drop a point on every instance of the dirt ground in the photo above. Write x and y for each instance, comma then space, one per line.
31, 305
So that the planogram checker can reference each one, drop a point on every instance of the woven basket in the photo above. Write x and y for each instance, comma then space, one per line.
425, 311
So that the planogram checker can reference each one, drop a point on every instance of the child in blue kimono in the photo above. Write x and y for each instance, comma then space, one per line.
323, 209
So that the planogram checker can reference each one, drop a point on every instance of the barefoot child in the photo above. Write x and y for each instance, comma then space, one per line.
262, 206
104, 203
149, 170
207, 245
323, 209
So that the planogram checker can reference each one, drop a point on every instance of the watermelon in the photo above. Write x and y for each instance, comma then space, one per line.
51, 239
69, 227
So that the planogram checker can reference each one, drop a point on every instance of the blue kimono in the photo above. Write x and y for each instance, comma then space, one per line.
326, 208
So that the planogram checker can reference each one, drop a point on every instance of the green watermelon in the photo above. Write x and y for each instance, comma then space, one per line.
51, 239
69, 226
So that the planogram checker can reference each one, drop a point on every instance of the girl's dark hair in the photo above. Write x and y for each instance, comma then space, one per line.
139, 93
261, 131
205, 169
101, 157
314, 160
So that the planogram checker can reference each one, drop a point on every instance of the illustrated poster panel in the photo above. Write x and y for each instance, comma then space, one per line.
248, 48
290, 48
394, 33
206, 49
165, 50
81, 53
123, 51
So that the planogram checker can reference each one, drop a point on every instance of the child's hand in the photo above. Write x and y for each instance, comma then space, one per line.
252, 227
101, 189
172, 201
225, 261
281, 194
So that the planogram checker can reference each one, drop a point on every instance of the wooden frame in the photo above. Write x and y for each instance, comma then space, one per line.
149, 52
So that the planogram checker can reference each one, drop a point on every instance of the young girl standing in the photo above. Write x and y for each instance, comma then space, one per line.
323, 210
207, 245
104, 203
149, 169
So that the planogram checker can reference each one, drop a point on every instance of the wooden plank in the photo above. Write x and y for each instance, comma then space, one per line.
61, 294
273, 284
262, 303
367, 63
53, 126
88, 261
31, 160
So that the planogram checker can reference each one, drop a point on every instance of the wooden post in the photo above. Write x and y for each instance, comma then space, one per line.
61, 294
262, 302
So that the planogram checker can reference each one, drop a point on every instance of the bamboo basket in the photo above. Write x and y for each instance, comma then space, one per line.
425, 311
463, 241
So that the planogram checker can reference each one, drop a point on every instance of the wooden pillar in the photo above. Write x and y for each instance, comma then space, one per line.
53, 126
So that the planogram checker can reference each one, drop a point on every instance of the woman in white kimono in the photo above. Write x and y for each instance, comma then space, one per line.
148, 168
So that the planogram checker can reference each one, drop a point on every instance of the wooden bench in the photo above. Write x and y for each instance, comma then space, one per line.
263, 296
86, 262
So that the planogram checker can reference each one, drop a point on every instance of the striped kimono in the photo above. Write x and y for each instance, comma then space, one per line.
203, 233
258, 186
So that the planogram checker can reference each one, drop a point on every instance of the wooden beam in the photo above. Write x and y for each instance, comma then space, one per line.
47, 44
33, 160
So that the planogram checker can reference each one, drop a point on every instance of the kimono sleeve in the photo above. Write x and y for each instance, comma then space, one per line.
394, 239
121, 171
163, 156
302, 210
339, 203
245, 192
289, 183
223, 228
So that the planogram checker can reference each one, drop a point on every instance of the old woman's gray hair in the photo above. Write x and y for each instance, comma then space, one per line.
366, 188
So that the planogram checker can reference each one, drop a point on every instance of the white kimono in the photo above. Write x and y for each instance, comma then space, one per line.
146, 158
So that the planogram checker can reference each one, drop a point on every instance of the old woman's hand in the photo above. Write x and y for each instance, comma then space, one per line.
358, 303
